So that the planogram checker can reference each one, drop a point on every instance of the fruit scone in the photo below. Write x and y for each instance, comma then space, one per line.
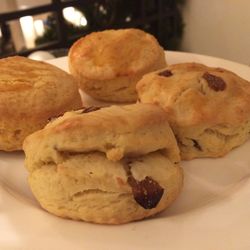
109, 63
208, 108
30, 93
111, 165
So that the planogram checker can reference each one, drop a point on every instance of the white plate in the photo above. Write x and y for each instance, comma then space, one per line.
213, 211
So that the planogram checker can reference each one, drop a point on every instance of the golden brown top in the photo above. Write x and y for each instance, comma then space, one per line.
112, 53
33, 88
19, 73
194, 94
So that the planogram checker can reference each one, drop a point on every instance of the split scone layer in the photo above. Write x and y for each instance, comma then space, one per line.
113, 165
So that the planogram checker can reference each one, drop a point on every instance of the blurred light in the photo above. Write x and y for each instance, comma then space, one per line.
1, 33
77, 18
83, 21
74, 16
68, 13
102, 10
27, 26
128, 19
39, 27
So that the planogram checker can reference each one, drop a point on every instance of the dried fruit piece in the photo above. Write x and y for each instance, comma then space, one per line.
147, 192
214, 82
197, 145
166, 73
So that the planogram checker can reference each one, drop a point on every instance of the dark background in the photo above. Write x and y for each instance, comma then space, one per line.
162, 18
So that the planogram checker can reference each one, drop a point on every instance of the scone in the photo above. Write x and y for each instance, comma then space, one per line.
208, 108
113, 165
30, 93
108, 64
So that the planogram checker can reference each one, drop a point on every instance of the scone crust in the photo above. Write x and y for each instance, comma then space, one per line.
31, 93
117, 131
197, 108
108, 64
79, 164
108, 54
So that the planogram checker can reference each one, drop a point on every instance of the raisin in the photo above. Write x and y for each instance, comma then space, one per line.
147, 193
166, 73
197, 145
214, 82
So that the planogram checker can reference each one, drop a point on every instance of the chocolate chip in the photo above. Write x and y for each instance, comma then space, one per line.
166, 73
90, 109
214, 82
197, 145
147, 193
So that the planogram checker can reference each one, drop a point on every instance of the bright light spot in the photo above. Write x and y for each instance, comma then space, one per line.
1, 33
27, 26
74, 16
77, 18
39, 27
83, 21
68, 13
102, 10
128, 19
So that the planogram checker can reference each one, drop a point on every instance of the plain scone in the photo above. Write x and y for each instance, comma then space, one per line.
108, 64
208, 108
30, 93
109, 166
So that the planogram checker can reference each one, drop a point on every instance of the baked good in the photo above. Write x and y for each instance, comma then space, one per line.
30, 93
108, 64
208, 108
112, 165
